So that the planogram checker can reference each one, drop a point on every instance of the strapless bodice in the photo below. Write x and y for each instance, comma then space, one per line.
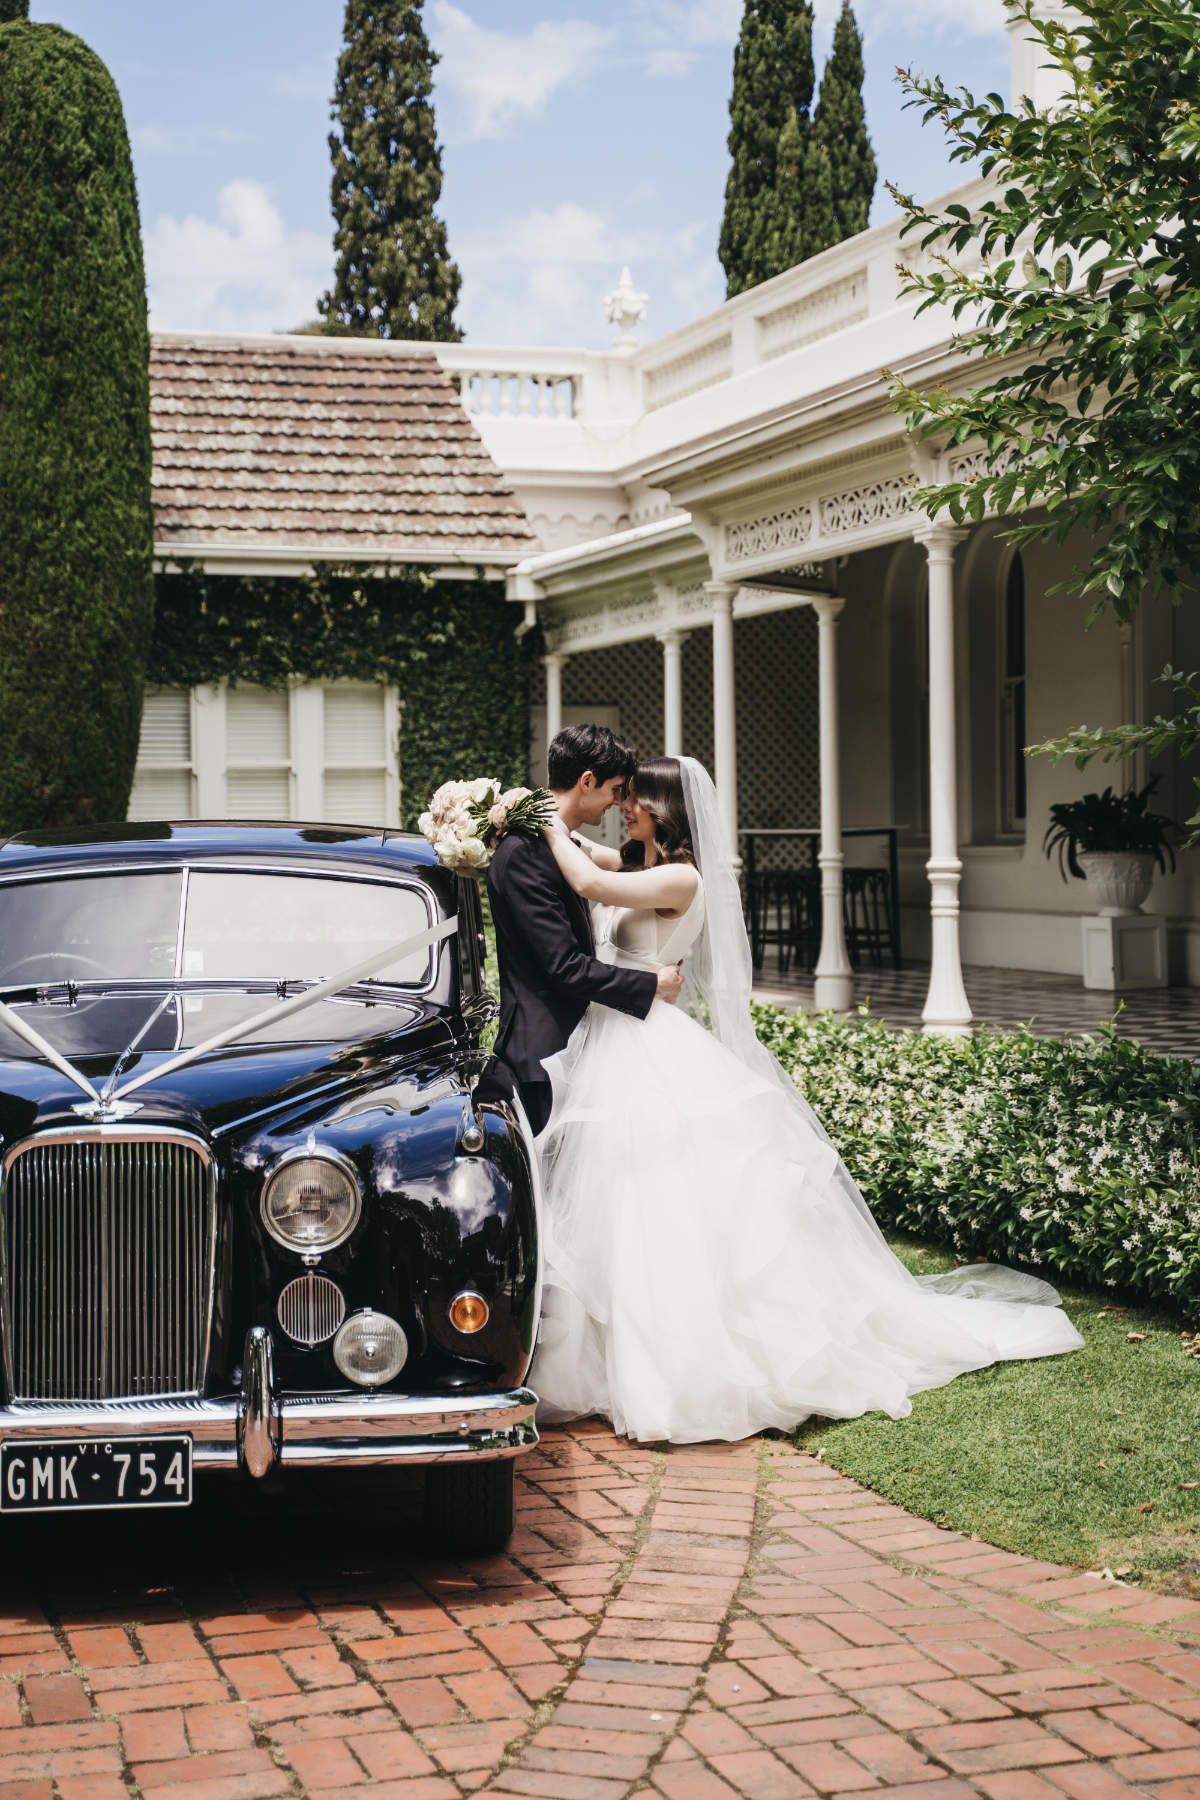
642, 939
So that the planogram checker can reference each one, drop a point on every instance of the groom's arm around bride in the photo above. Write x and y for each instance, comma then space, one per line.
549, 973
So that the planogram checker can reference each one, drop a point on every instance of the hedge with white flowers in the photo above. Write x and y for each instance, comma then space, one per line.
1077, 1156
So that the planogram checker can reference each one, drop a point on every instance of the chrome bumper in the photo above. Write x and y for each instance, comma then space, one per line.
257, 1431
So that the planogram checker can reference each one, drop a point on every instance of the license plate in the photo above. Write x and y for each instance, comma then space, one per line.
66, 1475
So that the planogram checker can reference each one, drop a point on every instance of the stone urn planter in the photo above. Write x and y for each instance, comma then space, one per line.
1118, 881
1114, 843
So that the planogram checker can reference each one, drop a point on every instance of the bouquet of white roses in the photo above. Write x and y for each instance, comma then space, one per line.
467, 819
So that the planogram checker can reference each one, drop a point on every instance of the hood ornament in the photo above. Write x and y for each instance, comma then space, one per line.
104, 1110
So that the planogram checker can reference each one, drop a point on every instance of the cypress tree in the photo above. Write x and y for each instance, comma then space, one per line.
393, 276
816, 180
772, 78
840, 127
76, 521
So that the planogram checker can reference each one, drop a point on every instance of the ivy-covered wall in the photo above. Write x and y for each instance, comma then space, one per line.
449, 646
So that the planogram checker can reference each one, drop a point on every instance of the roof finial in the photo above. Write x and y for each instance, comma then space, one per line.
624, 308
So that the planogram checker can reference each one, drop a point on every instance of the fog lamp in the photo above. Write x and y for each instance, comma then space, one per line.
469, 1312
370, 1349
311, 1201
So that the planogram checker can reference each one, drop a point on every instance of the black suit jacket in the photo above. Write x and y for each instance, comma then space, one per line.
548, 971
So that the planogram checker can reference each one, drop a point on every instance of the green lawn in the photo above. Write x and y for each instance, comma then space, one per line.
1054, 1458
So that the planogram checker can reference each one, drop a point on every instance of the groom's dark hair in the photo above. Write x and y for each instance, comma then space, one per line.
578, 748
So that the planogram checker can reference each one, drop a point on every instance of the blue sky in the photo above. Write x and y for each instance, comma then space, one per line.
578, 135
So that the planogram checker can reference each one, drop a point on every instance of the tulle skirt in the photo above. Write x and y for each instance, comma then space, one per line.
710, 1270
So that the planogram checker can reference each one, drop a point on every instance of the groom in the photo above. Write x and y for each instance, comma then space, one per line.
548, 968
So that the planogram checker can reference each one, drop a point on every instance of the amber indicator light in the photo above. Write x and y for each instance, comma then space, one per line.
469, 1312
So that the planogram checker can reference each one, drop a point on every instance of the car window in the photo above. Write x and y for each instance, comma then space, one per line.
86, 927
242, 925
239, 925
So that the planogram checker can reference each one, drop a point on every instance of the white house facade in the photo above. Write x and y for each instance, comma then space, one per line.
727, 563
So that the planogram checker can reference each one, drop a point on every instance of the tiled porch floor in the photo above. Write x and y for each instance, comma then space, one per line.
1163, 1019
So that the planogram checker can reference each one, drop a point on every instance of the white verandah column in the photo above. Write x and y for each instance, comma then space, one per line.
721, 596
947, 1010
833, 978
554, 663
672, 641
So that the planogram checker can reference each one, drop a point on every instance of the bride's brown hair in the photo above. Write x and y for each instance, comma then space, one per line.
658, 786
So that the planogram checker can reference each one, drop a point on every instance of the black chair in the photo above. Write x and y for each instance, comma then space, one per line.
869, 916
773, 900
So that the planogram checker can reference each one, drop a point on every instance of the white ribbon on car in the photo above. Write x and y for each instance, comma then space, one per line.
283, 1009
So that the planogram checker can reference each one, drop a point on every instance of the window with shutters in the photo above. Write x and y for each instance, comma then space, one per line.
359, 754
164, 781
258, 753
323, 751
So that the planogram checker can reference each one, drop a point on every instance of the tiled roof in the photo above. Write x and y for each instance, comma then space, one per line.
321, 446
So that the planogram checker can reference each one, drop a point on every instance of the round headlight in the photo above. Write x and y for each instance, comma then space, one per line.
370, 1348
311, 1203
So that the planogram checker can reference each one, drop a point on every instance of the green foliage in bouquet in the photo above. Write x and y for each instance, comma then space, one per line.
1109, 822
448, 646
1079, 1159
76, 520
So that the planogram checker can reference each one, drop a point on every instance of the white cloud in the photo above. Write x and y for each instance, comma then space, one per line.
502, 77
247, 270
541, 276
182, 140
945, 18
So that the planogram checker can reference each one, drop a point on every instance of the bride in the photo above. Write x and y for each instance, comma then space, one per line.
711, 1267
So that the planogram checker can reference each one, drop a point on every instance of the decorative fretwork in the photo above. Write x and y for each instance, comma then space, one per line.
752, 538
855, 509
970, 465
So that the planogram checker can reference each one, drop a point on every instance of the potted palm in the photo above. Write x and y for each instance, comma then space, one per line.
1114, 843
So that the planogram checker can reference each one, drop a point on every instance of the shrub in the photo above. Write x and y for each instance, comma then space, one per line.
76, 522
1077, 1155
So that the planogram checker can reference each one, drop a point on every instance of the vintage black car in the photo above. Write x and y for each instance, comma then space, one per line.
265, 1203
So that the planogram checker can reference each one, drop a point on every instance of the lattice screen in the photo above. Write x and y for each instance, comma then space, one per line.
776, 658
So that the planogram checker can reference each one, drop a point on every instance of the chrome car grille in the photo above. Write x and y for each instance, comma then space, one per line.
107, 1264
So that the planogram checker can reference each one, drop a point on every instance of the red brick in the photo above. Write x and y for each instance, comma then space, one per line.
222, 1727
256, 1677
1017, 1784
715, 1734
1097, 1736
427, 1702
179, 1642
1162, 1730
691, 1781
92, 1787
328, 1763
53, 1699
107, 1647
26, 1790
150, 1737
1089, 1781
827, 1768
961, 1700
1187, 1789
512, 1645
488, 1696
217, 1766
1158, 1765
391, 1754
760, 1774
887, 1755
259, 1785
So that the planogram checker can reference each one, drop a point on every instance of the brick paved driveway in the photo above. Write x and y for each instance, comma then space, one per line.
712, 1622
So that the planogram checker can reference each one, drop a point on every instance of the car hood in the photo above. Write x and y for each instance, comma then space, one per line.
333, 1043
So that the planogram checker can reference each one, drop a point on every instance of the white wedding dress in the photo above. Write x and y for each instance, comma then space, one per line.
711, 1269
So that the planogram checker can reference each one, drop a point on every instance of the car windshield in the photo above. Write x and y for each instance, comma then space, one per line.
206, 925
